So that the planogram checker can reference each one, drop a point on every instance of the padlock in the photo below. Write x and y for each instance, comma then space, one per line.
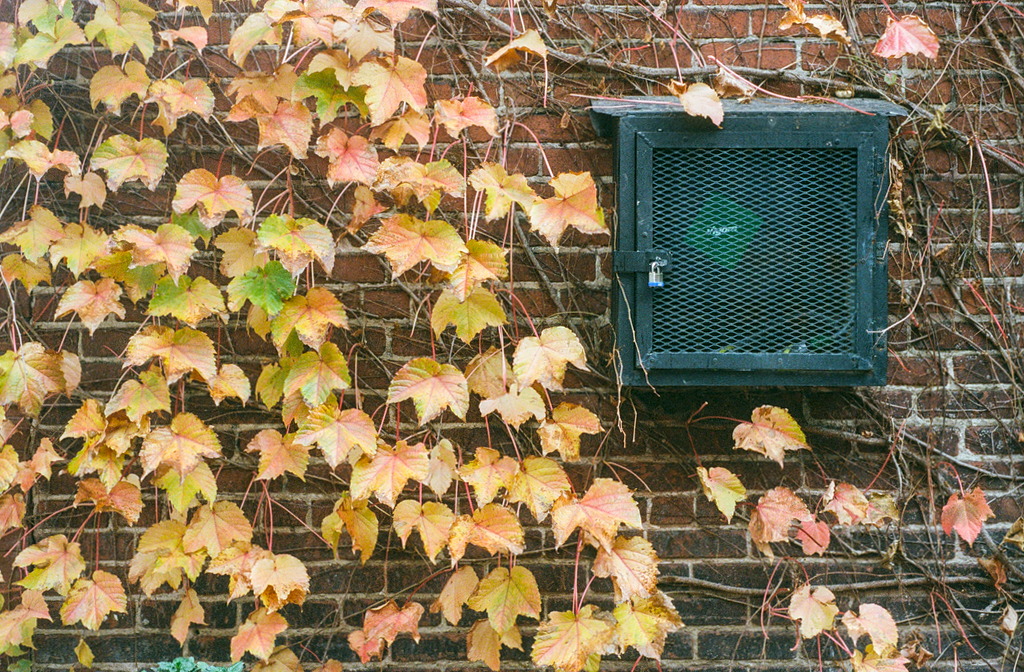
655, 277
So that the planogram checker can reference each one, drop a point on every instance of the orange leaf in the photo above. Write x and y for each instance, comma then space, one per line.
356, 518
488, 473
240, 252
562, 432
41, 463
365, 208
488, 374
772, 432
871, 661
822, 25
316, 375
645, 624
479, 310
814, 536
258, 634
257, 27
290, 125
17, 624
112, 86
773, 515
529, 42
394, 131
538, 482
92, 600
161, 558
89, 186
279, 579
169, 244
40, 160
847, 502
442, 467
236, 562
433, 520
876, 622
566, 640
493, 528
484, 261
216, 526
126, 159
816, 611
722, 487
139, 398
175, 99
458, 115
516, 406
188, 612
79, 247
460, 585
57, 561
909, 35
350, 158
278, 455
32, 274
124, 498
32, 374
341, 435
35, 235
606, 505
699, 100
181, 491
573, 205
230, 381
389, 470
391, 81
298, 242
544, 358
396, 10
310, 316
406, 241
502, 190
195, 35
92, 302
632, 565
12, 512
966, 514
484, 644
180, 446
505, 595
384, 624
432, 387
214, 196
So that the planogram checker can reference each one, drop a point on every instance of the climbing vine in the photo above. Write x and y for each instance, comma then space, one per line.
327, 89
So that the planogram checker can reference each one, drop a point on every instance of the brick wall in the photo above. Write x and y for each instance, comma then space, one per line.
953, 399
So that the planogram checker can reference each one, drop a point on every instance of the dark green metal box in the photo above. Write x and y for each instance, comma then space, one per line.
770, 234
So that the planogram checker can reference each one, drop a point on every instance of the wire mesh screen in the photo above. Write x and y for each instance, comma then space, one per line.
764, 250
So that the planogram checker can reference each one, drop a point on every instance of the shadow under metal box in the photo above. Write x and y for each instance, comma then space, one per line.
754, 254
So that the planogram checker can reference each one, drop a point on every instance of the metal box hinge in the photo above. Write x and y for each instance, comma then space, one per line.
640, 261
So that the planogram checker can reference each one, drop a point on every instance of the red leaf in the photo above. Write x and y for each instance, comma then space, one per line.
909, 35
966, 515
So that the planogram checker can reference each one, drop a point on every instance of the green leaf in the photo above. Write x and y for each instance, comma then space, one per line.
317, 374
125, 159
330, 95
470, 317
266, 286
190, 300
120, 25
190, 222
38, 49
